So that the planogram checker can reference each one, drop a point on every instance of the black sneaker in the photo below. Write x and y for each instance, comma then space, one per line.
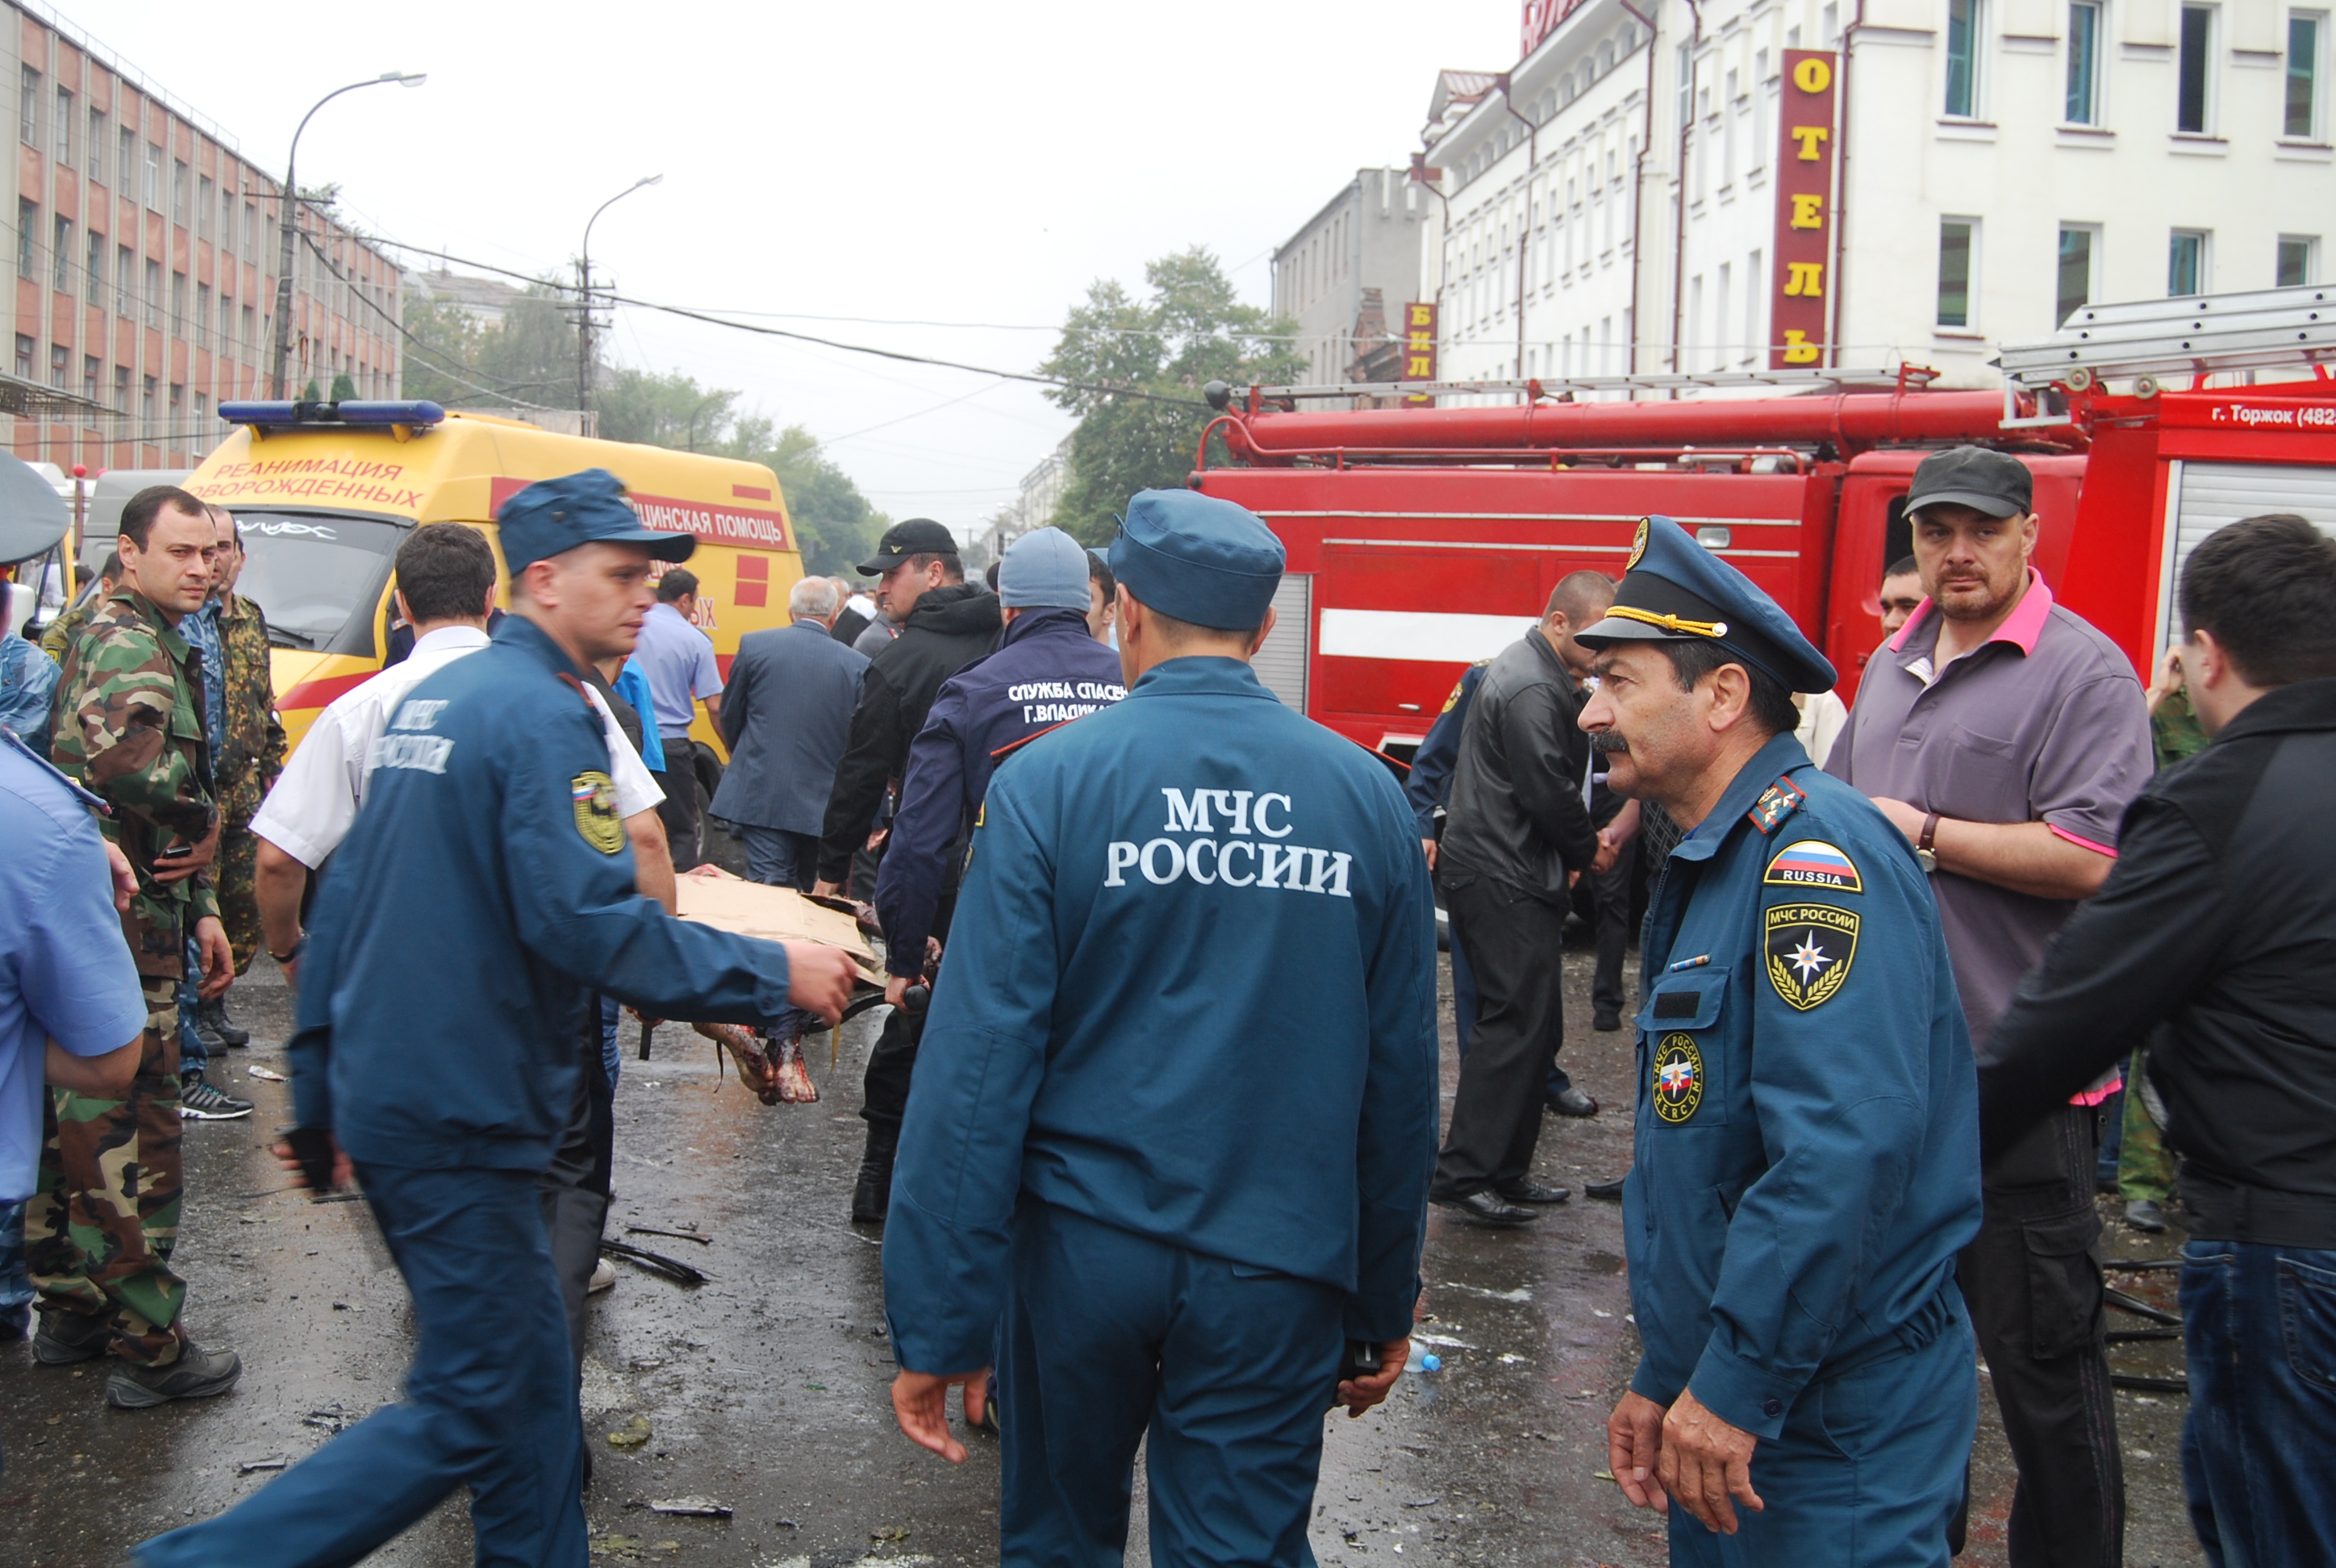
198, 1101
197, 1374
65, 1338
212, 1023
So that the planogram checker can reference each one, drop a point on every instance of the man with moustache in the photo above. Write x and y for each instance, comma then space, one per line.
1806, 1146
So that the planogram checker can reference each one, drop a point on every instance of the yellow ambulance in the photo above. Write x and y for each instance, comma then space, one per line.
324, 493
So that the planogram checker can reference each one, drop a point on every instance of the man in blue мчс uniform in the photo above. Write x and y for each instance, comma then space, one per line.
1808, 1132
1176, 1109
1049, 670
486, 888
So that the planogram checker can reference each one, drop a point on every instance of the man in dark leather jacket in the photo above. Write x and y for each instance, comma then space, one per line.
946, 623
2210, 941
1516, 834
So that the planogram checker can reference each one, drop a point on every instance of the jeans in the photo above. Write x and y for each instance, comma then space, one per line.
781, 859
2259, 1448
15, 1285
193, 1056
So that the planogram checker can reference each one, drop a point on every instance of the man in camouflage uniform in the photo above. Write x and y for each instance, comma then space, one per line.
58, 635
130, 728
248, 754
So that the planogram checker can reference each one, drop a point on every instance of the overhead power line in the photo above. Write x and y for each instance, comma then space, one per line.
710, 319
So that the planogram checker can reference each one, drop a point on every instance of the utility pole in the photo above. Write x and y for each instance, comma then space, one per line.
289, 220
585, 359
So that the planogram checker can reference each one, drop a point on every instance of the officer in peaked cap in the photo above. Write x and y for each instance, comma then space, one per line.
486, 883
1806, 1143
1170, 1135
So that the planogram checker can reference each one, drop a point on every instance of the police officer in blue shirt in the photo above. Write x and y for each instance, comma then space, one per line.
1176, 1110
1049, 670
486, 885
1807, 1147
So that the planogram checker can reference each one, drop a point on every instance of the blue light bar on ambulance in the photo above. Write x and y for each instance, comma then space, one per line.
294, 415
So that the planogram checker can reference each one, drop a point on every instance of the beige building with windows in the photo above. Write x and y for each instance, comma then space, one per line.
1366, 238
1618, 201
144, 268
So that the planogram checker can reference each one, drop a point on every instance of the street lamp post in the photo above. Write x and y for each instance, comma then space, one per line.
584, 360
289, 215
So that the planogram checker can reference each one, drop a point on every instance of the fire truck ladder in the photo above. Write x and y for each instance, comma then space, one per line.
2148, 340
1535, 389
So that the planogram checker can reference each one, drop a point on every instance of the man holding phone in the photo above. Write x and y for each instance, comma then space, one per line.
129, 730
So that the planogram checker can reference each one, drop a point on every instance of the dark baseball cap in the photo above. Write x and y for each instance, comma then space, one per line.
553, 516
918, 536
1986, 482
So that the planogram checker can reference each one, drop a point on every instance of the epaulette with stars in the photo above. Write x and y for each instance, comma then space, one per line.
1777, 802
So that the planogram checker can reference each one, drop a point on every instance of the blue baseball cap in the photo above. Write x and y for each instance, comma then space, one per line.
1675, 591
1198, 558
552, 516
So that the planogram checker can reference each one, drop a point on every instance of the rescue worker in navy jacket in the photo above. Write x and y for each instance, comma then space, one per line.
1176, 1111
1047, 671
486, 885
1807, 1147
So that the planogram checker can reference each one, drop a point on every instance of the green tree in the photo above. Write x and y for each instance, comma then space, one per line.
1192, 330
670, 410
456, 362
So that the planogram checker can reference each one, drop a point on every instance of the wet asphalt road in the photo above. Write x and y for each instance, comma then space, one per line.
766, 1388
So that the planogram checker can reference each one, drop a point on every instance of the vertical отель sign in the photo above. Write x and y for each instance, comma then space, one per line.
1800, 294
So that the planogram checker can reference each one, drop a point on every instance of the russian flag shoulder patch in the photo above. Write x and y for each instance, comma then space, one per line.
1814, 863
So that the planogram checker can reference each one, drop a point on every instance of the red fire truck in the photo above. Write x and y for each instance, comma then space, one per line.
1422, 539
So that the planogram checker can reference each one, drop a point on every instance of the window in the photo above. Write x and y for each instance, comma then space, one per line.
202, 316
178, 305
28, 109
203, 207
153, 193
28, 229
2299, 261
1956, 237
1686, 84
178, 407
226, 219
60, 258
122, 390
125, 170
2075, 288
124, 266
250, 229
23, 357
92, 372
2195, 71
97, 268
154, 293
146, 407
2304, 32
93, 150
202, 408
178, 192
2186, 263
1962, 58
64, 129
247, 338
2082, 105
60, 364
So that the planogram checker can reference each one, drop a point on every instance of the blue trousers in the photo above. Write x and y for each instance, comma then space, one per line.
489, 1403
1110, 1335
1867, 1472
781, 859
2259, 1448
193, 1056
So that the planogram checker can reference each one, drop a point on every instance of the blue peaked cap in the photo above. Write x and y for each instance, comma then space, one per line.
1675, 591
553, 515
1198, 557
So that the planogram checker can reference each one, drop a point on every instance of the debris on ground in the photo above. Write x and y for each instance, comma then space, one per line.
633, 1434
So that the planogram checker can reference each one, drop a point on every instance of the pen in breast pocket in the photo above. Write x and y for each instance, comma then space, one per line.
1694, 963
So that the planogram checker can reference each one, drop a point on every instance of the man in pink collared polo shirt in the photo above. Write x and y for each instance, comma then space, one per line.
2004, 736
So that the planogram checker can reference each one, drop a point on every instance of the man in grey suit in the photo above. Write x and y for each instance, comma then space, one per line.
785, 715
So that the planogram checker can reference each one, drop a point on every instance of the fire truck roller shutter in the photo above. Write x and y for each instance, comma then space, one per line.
1280, 664
2212, 495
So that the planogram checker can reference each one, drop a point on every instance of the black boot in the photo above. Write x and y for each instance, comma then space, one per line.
211, 1017
872, 1195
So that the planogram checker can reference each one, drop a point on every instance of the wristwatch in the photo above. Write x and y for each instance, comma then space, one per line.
1924, 855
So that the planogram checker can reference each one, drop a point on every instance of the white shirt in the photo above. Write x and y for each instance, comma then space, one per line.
315, 798
1823, 718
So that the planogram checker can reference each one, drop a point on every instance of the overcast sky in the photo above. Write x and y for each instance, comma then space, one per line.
939, 163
